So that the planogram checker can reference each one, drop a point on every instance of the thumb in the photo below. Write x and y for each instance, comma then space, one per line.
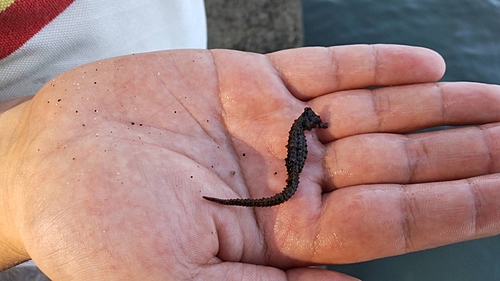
250, 272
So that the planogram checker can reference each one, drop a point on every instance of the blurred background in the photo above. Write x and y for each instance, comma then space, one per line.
465, 32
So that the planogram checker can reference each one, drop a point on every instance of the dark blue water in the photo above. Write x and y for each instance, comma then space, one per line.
467, 34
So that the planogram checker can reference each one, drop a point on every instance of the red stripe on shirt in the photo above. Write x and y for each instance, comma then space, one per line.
23, 19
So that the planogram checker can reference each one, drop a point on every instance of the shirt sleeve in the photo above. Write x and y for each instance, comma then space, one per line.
40, 39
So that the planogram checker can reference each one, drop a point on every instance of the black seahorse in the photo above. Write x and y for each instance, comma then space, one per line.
295, 160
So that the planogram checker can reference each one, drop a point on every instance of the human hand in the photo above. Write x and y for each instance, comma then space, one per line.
106, 170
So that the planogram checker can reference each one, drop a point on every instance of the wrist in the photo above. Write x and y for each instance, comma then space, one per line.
12, 250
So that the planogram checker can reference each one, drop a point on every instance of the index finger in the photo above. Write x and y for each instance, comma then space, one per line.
312, 72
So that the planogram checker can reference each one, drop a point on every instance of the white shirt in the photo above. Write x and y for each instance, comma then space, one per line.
75, 32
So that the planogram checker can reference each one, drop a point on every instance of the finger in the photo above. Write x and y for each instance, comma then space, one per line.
304, 274
425, 157
242, 271
312, 72
408, 108
367, 222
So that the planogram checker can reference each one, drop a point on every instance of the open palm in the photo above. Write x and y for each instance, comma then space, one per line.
110, 161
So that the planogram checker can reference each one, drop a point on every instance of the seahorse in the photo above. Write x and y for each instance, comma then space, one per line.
294, 161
